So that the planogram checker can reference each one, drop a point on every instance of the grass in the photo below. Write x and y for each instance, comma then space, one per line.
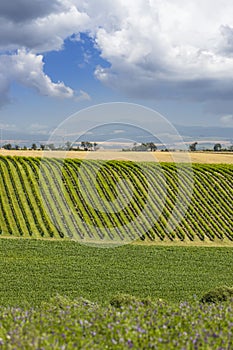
33, 271
58, 294
79, 324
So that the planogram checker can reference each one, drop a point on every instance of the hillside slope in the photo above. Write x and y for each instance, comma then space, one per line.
97, 201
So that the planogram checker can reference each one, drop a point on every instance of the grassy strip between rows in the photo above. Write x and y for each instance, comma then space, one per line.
33, 271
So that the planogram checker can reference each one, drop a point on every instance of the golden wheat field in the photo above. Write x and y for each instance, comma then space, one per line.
181, 157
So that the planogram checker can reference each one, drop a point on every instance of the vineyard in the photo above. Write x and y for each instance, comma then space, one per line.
120, 201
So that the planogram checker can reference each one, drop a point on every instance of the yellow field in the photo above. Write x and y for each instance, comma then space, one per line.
180, 157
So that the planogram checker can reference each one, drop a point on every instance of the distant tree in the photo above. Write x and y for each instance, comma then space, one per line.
68, 145
86, 145
217, 147
34, 146
17, 147
42, 147
51, 146
152, 146
83, 145
146, 146
193, 147
25, 148
95, 146
7, 146
134, 148
139, 148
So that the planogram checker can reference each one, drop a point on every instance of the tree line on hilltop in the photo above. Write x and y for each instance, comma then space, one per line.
93, 146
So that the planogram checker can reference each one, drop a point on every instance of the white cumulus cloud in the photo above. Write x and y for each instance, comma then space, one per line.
27, 69
39, 25
168, 48
155, 48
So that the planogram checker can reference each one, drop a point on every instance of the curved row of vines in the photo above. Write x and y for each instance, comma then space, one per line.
83, 200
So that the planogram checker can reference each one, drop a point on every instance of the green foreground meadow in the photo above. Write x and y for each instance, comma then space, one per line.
33, 271
63, 295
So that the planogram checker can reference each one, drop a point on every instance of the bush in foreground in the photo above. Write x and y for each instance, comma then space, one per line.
218, 295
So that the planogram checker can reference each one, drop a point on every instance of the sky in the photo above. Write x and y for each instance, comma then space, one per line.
58, 57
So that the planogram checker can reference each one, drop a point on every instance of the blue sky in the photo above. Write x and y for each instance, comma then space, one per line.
59, 57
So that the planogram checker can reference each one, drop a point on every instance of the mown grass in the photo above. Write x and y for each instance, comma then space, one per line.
33, 271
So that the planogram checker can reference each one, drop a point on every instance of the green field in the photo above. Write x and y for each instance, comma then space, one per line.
57, 293
82, 200
36, 270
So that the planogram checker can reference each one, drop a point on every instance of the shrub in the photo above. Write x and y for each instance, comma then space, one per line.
122, 300
218, 295
59, 302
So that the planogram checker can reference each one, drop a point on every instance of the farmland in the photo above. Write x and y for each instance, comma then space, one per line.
81, 200
195, 157
33, 271
87, 279
60, 290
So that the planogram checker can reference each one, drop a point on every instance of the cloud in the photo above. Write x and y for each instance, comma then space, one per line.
28, 29
27, 69
4, 88
181, 49
37, 128
158, 50
82, 96
25, 10
227, 120
7, 126
226, 42
118, 131
39, 25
